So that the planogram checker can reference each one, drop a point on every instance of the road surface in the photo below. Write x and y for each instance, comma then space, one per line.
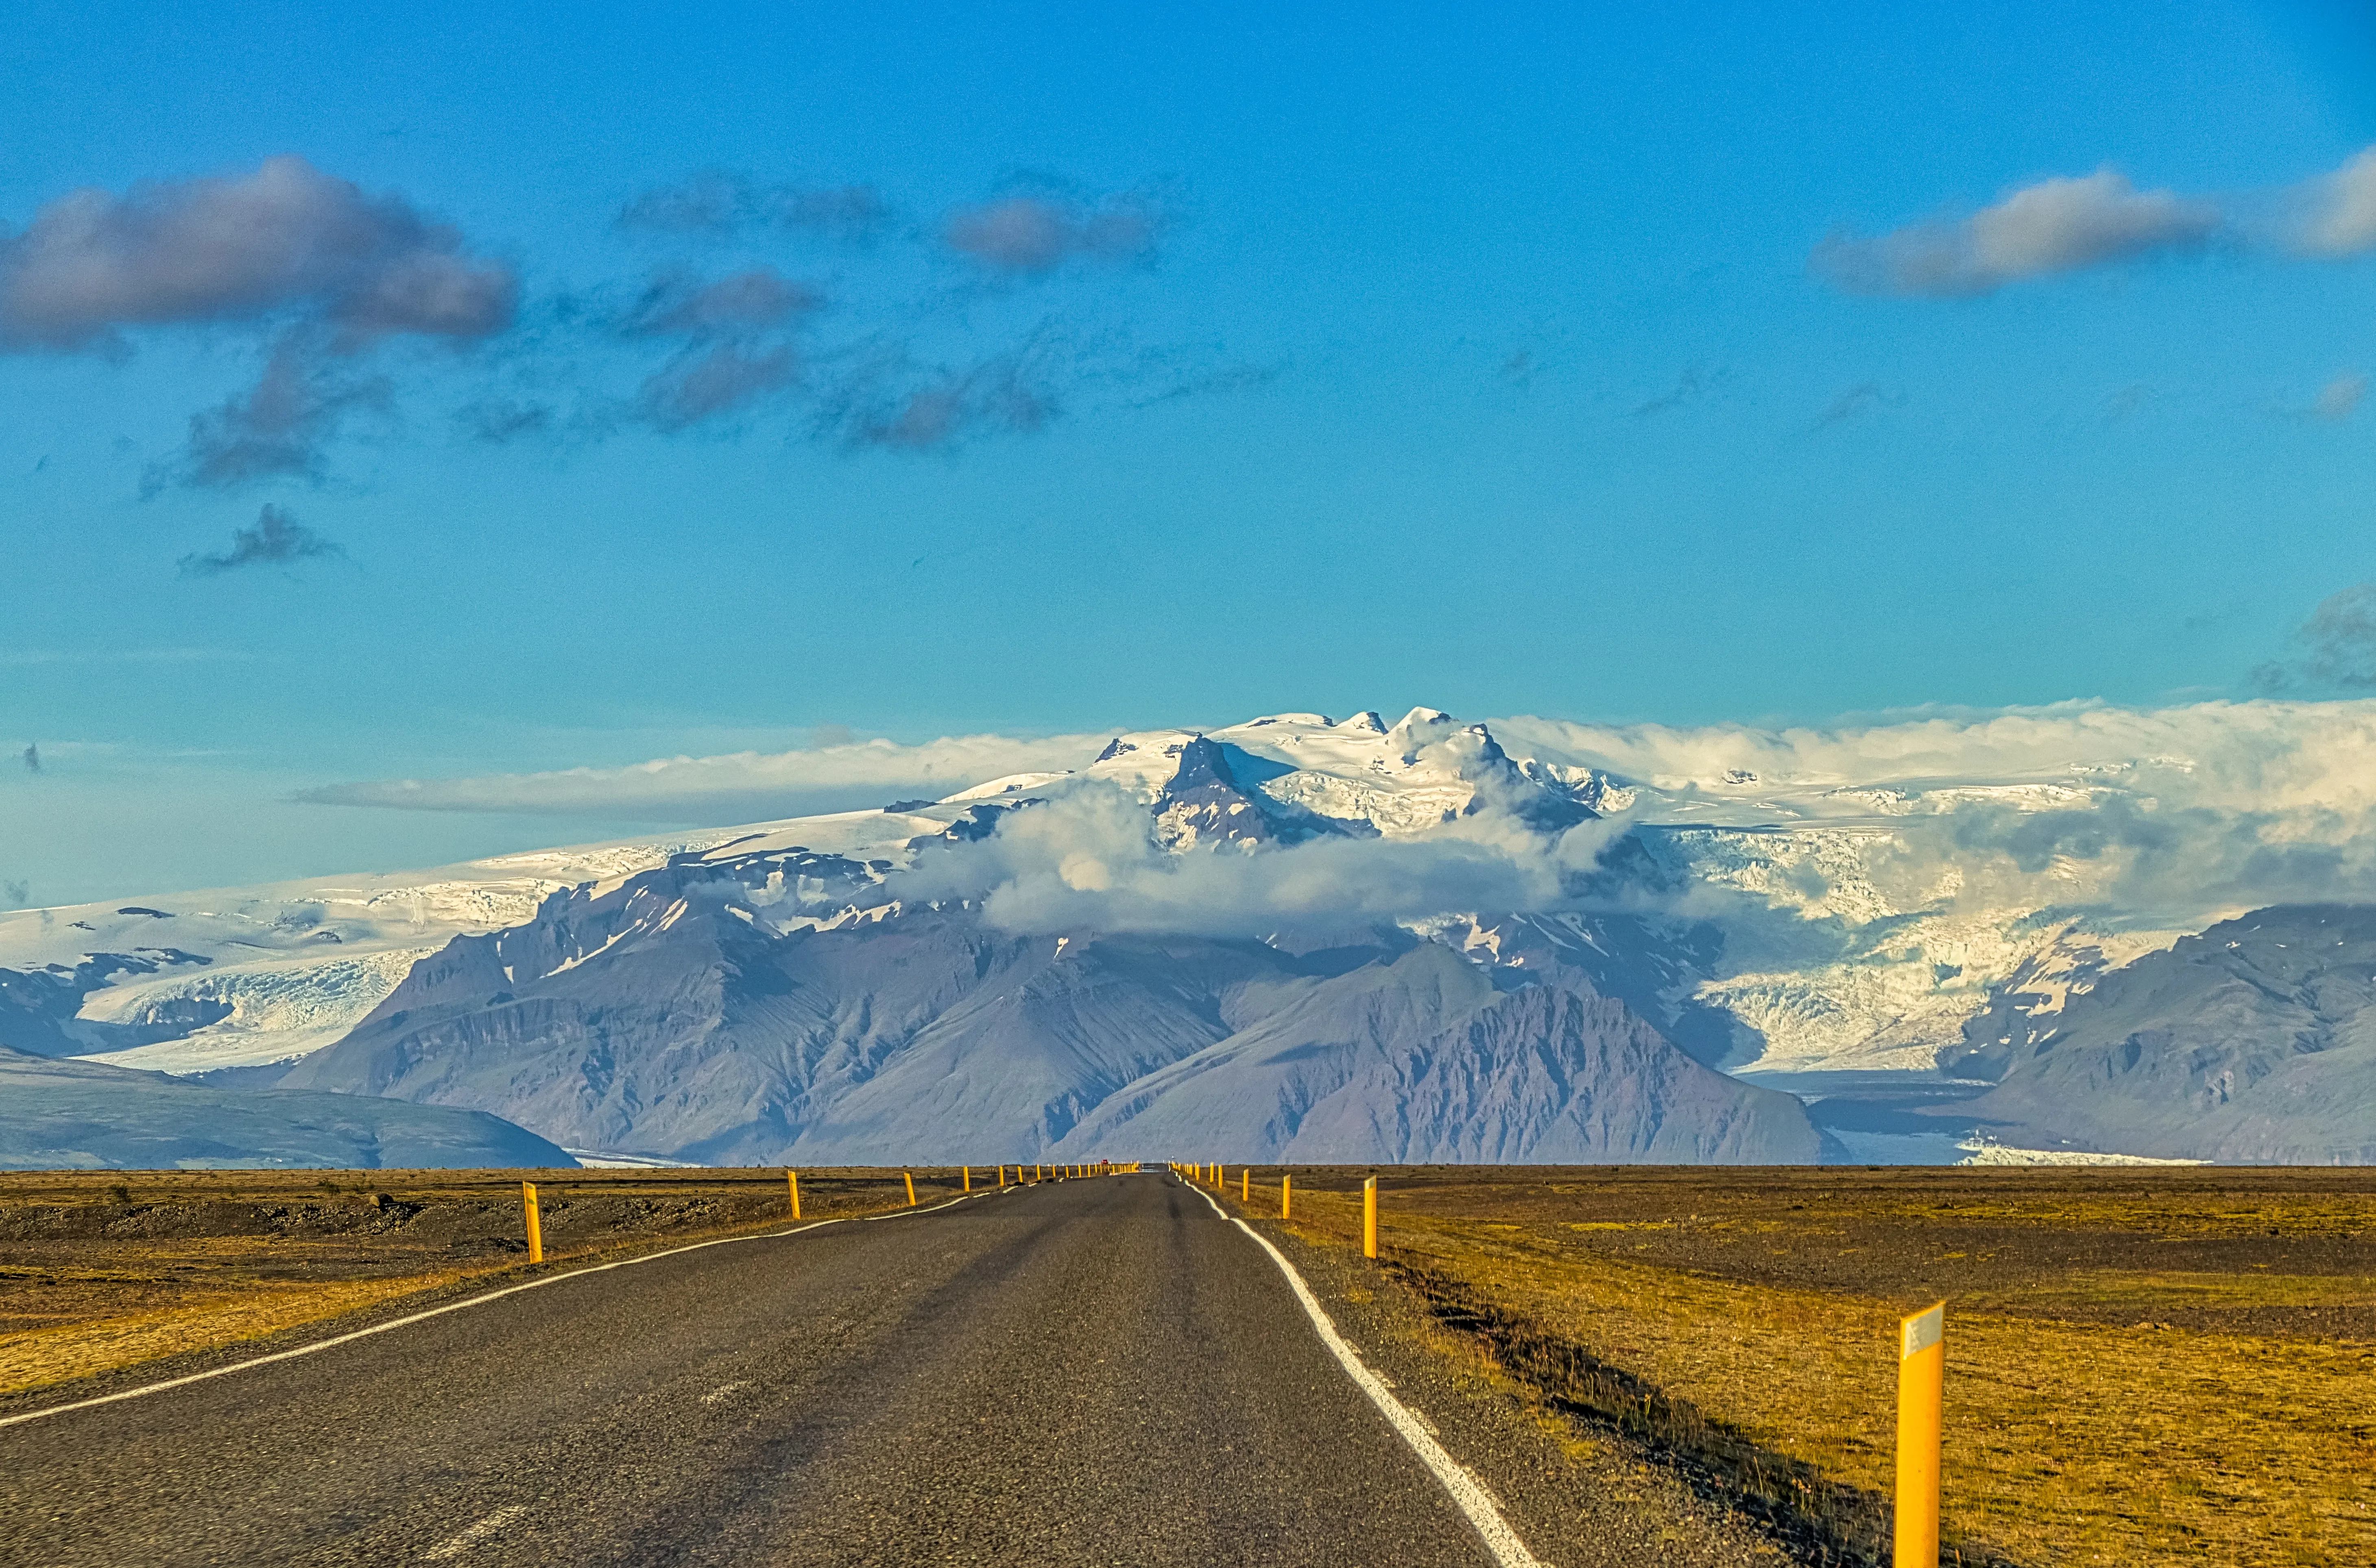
1091, 1372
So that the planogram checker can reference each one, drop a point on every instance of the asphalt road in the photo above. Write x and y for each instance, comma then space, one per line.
1094, 1372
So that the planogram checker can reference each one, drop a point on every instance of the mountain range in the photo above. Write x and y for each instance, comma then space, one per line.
1294, 939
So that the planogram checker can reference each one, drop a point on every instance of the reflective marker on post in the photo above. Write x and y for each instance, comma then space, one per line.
1369, 1217
1921, 1390
794, 1178
535, 1222
909, 1178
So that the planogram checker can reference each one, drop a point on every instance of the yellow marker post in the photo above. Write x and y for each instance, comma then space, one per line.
1245, 1186
1039, 1172
794, 1178
1921, 1390
1285, 1192
1369, 1217
535, 1222
909, 1178
968, 1178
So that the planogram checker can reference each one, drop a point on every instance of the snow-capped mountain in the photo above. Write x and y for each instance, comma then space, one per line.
1759, 923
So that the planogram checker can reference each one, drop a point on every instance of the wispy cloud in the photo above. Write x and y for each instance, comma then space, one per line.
2337, 644
2054, 226
1038, 234
2337, 399
732, 343
277, 539
32, 757
761, 784
715, 203
1859, 399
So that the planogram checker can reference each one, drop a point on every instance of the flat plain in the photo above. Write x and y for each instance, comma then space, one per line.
105, 1270
2143, 1365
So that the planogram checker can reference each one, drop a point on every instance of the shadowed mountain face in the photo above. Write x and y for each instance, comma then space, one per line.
2252, 1042
81, 1115
661, 1016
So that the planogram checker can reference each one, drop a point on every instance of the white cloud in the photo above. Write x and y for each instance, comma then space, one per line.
2058, 225
2342, 210
751, 785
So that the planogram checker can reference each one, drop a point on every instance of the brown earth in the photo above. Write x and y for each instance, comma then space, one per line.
2144, 1365
103, 1270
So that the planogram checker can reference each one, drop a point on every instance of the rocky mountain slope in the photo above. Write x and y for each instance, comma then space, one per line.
670, 1016
2253, 1042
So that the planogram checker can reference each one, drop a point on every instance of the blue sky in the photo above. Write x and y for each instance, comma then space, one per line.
1383, 355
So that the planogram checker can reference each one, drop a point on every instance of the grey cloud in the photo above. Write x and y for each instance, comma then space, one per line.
2054, 226
708, 384
1039, 234
733, 345
286, 241
2337, 399
278, 428
277, 539
715, 203
2338, 645
32, 757
676, 303
16, 894
498, 419
889, 401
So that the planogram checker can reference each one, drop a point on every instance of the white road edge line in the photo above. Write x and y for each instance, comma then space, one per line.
458, 1306
1466, 1490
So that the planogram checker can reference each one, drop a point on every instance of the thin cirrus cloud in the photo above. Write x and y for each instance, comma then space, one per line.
2075, 224
748, 784
717, 204
277, 539
326, 271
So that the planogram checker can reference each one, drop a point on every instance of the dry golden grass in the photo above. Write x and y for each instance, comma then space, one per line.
2068, 1440
100, 1271
44, 1356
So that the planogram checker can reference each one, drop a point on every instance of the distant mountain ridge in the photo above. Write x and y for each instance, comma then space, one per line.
2253, 1042
80, 1115
660, 1017
815, 988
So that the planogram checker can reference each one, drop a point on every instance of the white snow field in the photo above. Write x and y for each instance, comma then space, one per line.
1868, 952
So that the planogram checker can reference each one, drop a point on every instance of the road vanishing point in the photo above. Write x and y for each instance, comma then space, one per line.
1101, 1371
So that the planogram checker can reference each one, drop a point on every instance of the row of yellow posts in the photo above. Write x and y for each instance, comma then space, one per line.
532, 1215
1921, 1378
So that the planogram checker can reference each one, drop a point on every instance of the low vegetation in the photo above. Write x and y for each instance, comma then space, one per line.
2143, 1366
103, 1270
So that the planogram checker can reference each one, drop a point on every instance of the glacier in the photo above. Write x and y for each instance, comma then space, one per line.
1693, 935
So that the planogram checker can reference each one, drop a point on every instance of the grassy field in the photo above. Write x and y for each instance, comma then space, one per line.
100, 1270
2174, 1365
